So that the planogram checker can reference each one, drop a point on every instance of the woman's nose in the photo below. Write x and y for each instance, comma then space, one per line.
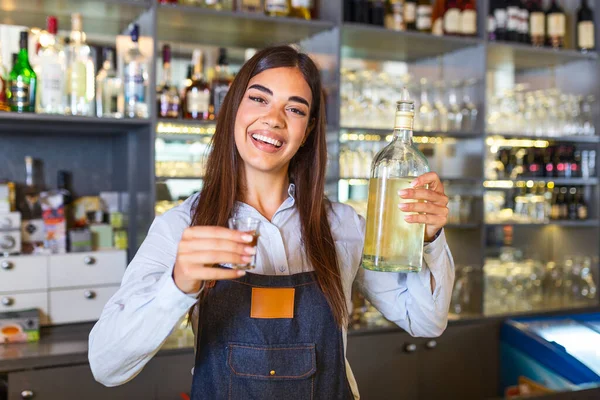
274, 118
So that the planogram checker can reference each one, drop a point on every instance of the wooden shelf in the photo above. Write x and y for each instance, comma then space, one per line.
177, 23
377, 43
76, 125
525, 57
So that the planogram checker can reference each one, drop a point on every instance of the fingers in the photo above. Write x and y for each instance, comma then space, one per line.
201, 258
215, 232
427, 219
213, 274
429, 195
427, 208
195, 245
431, 179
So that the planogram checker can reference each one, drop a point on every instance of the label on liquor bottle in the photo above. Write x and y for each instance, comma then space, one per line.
452, 21
468, 22
514, 18
501, 16
135, 90
556, 24
410, 12
197, 101
585, 35
220, 91
301, 3
77, 79
537, 24
424, 17
52, 84
394, 22
438, 27
19, 94
404, 120
277, 6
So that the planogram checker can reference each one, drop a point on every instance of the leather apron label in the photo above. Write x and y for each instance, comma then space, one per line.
272, 303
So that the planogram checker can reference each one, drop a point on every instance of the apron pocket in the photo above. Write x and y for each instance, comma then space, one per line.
283, 371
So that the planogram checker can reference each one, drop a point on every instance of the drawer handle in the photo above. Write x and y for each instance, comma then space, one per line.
431, 344
27, 394
410, 348
7, 265
89, 260
89, 294
8, 301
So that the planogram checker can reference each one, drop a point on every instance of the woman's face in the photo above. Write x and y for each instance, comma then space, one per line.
273, 119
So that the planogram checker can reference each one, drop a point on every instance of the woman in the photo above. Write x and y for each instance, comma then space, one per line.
268, 161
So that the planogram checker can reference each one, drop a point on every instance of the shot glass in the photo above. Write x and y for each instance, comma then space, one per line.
250, 226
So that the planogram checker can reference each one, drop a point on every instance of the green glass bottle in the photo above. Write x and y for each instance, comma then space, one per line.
22, 81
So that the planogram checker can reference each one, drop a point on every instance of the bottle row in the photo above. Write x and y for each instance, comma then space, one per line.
41, 220
304, 9
535, 203
442, 17
60, 77
559, 161
526, 21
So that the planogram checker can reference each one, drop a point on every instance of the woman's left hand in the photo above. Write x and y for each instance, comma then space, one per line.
433, 212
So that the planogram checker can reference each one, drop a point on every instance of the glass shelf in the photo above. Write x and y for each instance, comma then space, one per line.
378, 43
177, 23
565, 139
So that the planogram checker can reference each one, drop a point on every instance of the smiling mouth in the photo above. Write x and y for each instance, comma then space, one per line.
264, 139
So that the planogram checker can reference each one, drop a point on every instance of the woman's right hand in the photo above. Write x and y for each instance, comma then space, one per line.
201, 247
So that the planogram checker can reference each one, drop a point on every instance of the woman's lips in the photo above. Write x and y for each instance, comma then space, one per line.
266, 147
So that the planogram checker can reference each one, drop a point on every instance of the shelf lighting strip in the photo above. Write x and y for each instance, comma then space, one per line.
499, 141
183, 129
367, 137
511, 184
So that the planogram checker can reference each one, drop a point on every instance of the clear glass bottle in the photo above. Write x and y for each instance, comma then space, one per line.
221, 82
469, 109
135, 78
52, 96
391, 243
454, 113
109, 89
301, 9
22, 80
80, 71
440, 110
277, 8
167, 95
197, 95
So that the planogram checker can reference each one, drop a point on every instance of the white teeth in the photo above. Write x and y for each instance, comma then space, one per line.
265, 139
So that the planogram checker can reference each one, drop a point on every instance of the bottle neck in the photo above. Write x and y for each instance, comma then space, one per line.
167, 73
403, 135
23, 57
403, 126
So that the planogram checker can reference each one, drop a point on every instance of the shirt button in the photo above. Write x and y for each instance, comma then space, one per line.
282, 268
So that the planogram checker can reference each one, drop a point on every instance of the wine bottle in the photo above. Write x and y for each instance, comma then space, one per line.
491, 22
424, 16
22, 80
585, 28
501, 15
556, 24
537, 23
410, 14
468, 18
524, 23
513, 11
452, 18
437, 18
394, 16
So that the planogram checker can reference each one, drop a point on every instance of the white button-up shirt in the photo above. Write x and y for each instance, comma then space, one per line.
148, 306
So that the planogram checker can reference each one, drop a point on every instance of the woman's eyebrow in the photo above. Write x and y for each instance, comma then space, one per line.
268, 91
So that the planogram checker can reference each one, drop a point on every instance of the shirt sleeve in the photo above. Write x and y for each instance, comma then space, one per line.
406, 298
148, 306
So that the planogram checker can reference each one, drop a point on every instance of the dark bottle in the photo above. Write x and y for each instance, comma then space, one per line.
576, 164
582, 209
491, 21
167, 95
29, 205
549, 163
559, 162
537, 23
501, 16
452, 18
572, 203
424, 15
221, 82
410, 14
360, 11
64, 184
22, 80
555, 26
348, 5
197, 95
513, 10
377, 12
524, 23
585, 28
563, 207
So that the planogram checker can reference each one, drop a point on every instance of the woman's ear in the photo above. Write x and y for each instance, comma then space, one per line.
309, 129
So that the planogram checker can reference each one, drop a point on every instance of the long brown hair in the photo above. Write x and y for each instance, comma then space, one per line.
225, 182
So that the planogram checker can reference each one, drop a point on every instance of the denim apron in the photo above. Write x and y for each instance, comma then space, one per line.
239, 357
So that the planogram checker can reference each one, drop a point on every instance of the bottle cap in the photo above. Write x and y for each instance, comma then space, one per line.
223, 56
405, 111
135, 32
52, 25
24, 40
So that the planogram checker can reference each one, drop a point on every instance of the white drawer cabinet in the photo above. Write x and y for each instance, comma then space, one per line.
24, 301
77, 305
87, 269
26, 273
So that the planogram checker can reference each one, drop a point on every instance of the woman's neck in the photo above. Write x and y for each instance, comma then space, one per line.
266, 192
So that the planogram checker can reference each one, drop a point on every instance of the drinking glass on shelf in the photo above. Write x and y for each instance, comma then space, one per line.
454, 111
440, 109
250, 226
426, 113
464, 287
468, 109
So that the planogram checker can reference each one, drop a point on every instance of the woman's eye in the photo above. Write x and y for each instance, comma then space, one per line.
298, 111
257, 99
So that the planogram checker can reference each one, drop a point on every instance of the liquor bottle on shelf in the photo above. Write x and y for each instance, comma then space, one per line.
491, 22
109, 88
424, 11
585, 28
468, 18
556, 26
377, 12
348, 4
80, 71
221, 82
501, 17
167, 96
52, 97
32, 224
251, 6
4, 106
582, 208
513, 11
410, 14
277, 8
197, 96
452, 18
537, 23
524, 23
360, 11
392, 244
22, 80
394, 17
303, 9
135, 78
573, 203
